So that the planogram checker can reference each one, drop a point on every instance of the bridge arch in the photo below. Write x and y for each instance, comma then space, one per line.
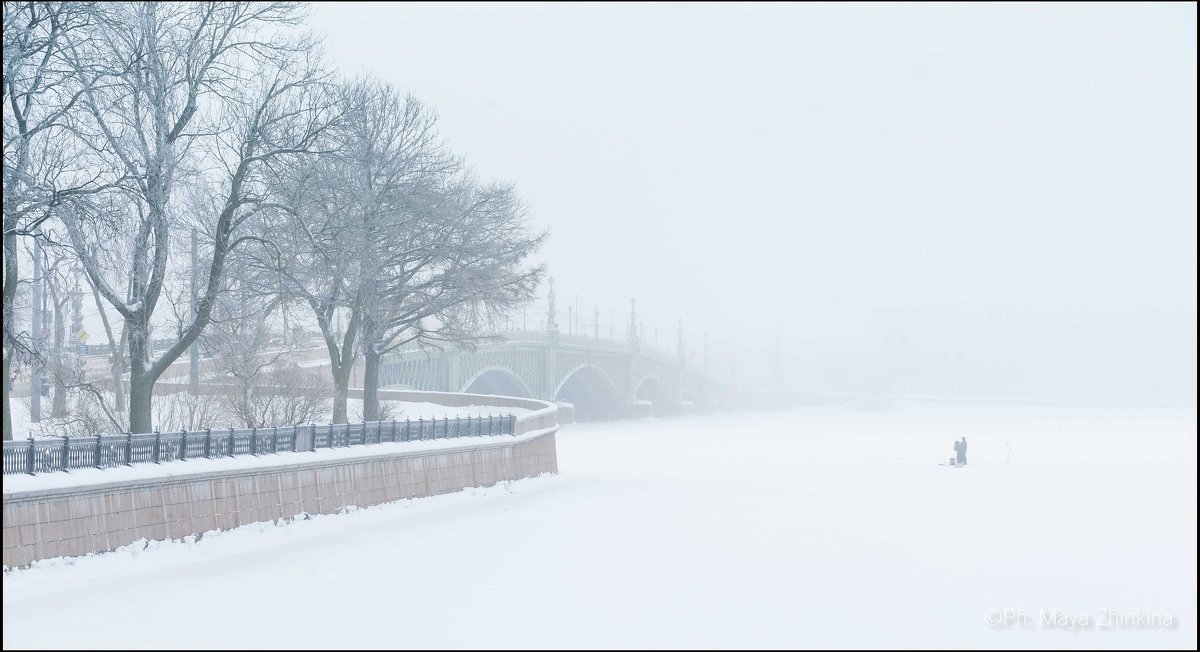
592, 392
653, 389
497, 380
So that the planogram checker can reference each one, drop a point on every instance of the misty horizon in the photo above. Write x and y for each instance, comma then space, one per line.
803, 170
787, 179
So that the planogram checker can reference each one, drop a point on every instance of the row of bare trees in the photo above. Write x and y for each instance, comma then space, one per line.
129, 126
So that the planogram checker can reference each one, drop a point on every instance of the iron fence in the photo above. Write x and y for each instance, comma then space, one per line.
35, 456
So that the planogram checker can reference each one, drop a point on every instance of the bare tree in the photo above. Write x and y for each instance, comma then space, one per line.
317, 250
389, 152
40, 171
168, 117
186, 94
188, 411
290, 396
390, 233
451, 279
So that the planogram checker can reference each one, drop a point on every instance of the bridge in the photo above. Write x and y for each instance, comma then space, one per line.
601, 378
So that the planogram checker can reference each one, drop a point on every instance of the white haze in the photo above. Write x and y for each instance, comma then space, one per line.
991, 200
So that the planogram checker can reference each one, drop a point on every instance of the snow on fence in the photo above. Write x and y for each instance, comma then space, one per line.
48, 455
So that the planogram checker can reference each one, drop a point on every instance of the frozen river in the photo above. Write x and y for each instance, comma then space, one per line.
811, 528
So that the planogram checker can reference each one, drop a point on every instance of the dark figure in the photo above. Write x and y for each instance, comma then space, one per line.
958, 452
963, 455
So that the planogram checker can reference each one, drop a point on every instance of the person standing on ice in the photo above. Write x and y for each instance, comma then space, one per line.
962, 456
958, 452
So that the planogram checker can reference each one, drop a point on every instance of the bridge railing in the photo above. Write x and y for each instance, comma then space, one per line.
540, 337
35, 456
589, 341
537, 337
543, 337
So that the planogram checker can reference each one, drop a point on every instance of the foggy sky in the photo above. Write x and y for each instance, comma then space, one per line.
748, 167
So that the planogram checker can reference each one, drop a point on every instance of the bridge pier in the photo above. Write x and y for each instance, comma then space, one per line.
566, 412
549, 366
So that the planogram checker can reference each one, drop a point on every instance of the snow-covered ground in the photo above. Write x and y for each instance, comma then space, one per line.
810, 528
18, 411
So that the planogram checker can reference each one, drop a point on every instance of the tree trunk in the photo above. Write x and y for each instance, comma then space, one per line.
248, 413
10, 292
341, 383
141, 388
341, 358
371, 384
8, 431
141, 381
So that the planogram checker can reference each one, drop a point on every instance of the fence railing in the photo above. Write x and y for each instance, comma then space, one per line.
105, 349
35, 456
